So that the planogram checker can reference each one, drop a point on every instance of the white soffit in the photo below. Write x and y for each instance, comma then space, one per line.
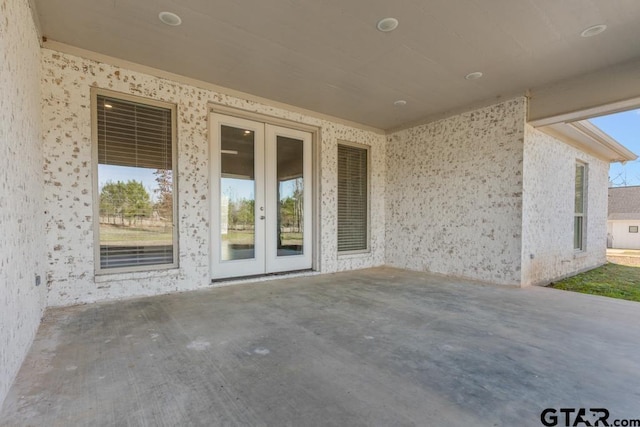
589, 138
607, 91
329, 57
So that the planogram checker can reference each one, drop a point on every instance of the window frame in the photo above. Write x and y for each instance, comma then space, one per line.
367, 249
583, 229
98, 270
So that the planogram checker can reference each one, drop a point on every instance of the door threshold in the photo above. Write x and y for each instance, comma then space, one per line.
266, 276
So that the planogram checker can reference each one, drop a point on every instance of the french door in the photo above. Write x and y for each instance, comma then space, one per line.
261, 198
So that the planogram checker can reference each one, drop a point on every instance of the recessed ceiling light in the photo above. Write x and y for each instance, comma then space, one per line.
247, 132
400, 103
473, 76
170, 18
593, 30
387, 24
108, 106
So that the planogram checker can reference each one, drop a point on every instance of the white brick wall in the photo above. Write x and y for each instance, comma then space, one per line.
66, 83
21, 207
548, 208
479, 195
454, 195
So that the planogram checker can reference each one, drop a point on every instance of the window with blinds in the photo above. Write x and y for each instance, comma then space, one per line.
353, 198
135, 187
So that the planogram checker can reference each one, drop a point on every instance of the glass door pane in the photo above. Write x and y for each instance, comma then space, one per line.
237, 194
261, 198
290, 196
288, 193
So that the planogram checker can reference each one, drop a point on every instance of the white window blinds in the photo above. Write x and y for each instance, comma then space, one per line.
135, 184
133, 134
353, 203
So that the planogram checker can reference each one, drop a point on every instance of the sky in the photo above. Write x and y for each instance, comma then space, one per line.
625, 128
113, 173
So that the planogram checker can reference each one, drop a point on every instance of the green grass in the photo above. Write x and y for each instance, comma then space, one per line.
239, 237
244, 237
610, 280
126, 236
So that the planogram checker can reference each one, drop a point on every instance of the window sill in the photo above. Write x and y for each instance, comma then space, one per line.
580, 254
358, 254
135, 275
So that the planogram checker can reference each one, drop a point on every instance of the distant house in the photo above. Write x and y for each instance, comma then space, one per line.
623, 221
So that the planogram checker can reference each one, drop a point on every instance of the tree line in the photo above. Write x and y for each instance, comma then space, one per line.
241, 212
128, 202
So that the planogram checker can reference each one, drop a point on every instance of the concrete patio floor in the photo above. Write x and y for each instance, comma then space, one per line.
371, 347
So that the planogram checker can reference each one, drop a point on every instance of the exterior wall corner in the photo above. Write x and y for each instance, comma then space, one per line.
548, 210
454, 195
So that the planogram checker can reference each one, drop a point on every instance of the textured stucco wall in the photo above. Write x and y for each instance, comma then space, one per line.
66, 82
548, 208
21, 221
454, 195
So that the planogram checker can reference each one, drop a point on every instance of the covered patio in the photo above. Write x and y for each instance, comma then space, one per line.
379, 346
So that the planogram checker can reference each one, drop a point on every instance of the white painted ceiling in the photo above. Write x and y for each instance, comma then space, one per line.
328, 56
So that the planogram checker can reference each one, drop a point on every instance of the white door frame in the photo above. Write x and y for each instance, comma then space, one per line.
266, 259
304, 261
256, 265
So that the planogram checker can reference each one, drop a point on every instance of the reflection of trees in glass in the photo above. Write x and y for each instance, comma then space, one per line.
242, 214
291, 207
122, 201
164, 204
